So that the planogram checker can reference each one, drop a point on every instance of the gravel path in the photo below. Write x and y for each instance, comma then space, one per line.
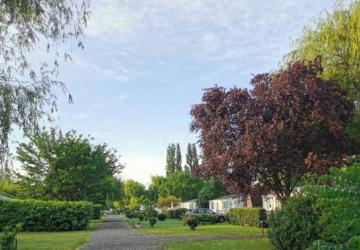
114, 233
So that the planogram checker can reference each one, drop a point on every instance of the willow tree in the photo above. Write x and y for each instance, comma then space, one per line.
26, 86
335, 38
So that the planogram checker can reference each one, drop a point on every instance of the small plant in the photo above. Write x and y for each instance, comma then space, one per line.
152, 221
8, 240
192, 222
162, 217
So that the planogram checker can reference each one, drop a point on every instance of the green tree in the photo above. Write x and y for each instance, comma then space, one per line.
26, 90
67, 167
210, 190
157, 188
178, 158
134, 192
170, 159
183, 185
335, 39
192, 161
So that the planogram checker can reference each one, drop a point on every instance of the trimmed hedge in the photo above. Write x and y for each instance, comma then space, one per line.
247, 216
96, 211
36, 215
175, 213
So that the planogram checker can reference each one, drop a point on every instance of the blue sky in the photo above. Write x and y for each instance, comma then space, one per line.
145, 64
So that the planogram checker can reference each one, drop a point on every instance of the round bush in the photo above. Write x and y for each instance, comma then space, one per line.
162, 217
192, 222
152, 221
294, 226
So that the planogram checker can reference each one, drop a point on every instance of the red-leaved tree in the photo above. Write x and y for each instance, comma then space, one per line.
290, 123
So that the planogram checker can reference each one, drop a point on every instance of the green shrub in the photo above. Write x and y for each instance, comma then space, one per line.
35, 215
247, 216
152, 221
294, 226
140, 217
162, 217
338, 201
8, 240
130, 214
191, 221
175, 213
96, 211
206, 218
150, 212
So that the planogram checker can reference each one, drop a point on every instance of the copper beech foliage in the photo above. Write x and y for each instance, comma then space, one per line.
290, 123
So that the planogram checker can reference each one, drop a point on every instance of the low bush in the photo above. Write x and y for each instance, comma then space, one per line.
152, 221
8, 239
35, 215
247, 216
175, 213
96, 211
162, 217
295, 225
191, 221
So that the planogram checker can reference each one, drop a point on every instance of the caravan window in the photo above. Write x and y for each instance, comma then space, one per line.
226, 204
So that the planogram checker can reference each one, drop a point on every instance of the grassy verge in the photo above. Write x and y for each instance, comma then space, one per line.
247, 244
175, 227
55, 240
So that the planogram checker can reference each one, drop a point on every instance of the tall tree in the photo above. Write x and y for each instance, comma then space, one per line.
67, 167
291, 122
170, 160
178, 158
192, 161
25, 89
335, 38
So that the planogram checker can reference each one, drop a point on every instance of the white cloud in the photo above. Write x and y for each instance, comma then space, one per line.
215, 30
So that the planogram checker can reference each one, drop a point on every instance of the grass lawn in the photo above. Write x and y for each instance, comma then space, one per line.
247, 244
55, 240
175, 227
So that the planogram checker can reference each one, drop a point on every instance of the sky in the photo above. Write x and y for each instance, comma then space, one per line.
146, 62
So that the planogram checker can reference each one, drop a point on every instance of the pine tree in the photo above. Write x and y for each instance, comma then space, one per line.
178, 158
170, 160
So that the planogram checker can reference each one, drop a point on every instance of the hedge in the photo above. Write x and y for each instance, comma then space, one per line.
247, 216
96, 211
175, 213
36, 215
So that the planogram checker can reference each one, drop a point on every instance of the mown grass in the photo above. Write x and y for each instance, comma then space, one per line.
246, 244
175, 227
56, 240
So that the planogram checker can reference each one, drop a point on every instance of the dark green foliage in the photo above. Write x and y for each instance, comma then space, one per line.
175, 213
68, 166
210, 190
130, 214
294, 226
152, 221
141, 217
96, 211
150, 212
247, 216
206, 218
338, 200
8, 240
162, 217
35, 215
191, 221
